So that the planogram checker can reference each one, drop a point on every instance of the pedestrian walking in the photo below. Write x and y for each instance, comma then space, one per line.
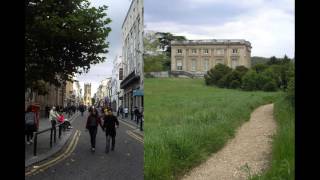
81, 109
92, 126
53, 117
121, 111
30, 124
125, 112
132, 112
110, 123
47, 109
136, 113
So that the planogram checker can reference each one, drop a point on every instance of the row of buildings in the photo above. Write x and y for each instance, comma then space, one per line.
125, 86
68, 94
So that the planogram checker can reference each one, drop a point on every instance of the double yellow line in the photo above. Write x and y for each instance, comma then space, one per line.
138, 138
71, 147
133, 135
128, 125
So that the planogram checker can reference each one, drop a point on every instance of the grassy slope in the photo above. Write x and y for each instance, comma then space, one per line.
282, 164
186, 121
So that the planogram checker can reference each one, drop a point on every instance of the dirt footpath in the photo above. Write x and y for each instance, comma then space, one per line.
248, 153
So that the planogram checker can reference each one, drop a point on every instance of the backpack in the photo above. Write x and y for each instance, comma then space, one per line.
29, 118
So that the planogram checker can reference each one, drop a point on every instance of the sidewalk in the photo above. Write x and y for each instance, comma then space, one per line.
133, 123
43, 141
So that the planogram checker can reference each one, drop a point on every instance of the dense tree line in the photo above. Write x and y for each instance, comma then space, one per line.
276, 74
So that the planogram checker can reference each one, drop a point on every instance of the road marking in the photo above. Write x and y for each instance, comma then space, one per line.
62, 156
136, 137
71, 147
128, 124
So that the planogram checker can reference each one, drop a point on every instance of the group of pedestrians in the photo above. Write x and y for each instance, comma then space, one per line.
105, 119
108, 123
136, 115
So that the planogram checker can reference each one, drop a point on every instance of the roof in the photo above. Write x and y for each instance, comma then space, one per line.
212, 42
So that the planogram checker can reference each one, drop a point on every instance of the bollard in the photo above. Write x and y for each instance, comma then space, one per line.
141, 124
60, 131
51, 137
35, 135
54, 132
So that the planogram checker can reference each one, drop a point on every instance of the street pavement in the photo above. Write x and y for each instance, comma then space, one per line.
43, 142
125, 163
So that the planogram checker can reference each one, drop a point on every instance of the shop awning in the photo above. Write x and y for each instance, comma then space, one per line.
131, 78
137, 92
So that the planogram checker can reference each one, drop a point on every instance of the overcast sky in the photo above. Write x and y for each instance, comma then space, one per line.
267, 24
117, 10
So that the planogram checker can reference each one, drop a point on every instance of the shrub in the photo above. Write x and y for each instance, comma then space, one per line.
249, 81
270, 86
259, 68
242, 70
262, 80
223, 82
235, 84
216, 73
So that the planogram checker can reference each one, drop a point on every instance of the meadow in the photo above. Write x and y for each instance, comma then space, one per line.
186, 121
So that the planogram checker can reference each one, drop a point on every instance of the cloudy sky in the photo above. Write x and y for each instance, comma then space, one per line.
267, 24
117, 10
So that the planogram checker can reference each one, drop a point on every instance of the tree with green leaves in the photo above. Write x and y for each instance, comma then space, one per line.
215, 74
273, 60
285, 59
165, 41
63, 38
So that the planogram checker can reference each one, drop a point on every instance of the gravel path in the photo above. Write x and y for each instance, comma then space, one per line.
248, 152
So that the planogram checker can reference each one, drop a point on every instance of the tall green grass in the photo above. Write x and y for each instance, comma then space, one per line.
186, 121
282, 164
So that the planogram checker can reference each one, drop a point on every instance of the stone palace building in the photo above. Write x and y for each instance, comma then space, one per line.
196, 57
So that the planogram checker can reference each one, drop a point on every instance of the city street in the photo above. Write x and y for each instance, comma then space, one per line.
76, 161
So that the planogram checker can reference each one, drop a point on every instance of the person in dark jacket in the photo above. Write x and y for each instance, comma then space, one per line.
81, 109
136, 114
30, 123
47, 109
110, 124
92, 125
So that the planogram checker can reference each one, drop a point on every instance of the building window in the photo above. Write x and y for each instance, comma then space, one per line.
234, 63
194, 51
220, 51
235, 51
206, 64
193, 65
179, 51
206, 51
179, 65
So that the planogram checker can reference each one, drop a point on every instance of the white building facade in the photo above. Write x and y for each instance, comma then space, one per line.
116, 91
132, 56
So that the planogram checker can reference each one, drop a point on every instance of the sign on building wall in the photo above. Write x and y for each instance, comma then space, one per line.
121, 74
